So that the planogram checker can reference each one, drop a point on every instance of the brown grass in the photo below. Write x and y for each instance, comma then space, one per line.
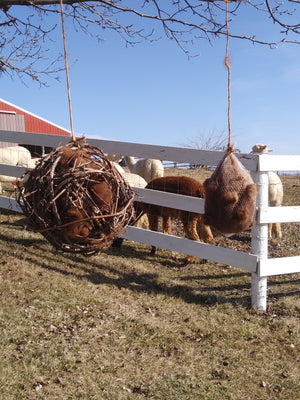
127, 325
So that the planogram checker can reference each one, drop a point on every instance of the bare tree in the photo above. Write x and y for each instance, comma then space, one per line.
210, 141
27, 28
213, 140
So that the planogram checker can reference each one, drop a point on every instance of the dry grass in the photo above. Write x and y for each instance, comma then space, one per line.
128, 325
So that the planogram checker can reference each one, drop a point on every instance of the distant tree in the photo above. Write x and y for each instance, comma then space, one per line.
211, 141
27, 28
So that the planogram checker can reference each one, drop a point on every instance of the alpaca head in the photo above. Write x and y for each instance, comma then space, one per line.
260, 148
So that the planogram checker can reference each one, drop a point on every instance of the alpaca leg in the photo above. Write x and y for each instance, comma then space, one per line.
190, 229
270, 228
167, 225
276, 230
205, 231
153, 226
117, 243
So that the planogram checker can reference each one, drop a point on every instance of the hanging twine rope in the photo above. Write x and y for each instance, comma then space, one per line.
67, 68
230, 148
230, 193
74, 196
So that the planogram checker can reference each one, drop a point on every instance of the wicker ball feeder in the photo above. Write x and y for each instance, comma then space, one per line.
76, 199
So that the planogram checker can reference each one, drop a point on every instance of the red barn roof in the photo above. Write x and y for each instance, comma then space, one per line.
33, 123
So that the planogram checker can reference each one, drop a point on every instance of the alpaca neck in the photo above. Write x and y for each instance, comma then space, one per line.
130, 161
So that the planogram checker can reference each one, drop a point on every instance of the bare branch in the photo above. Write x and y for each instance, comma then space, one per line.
26, 37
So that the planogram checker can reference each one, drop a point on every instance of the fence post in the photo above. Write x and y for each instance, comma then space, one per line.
259, 245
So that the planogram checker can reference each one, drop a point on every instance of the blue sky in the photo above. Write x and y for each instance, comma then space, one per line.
153, 94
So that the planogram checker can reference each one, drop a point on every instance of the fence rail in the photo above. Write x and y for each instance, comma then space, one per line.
257, 262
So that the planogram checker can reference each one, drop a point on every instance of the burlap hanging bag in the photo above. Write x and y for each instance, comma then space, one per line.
230, 197
230, 193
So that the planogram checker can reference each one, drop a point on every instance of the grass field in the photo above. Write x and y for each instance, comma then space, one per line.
124, 324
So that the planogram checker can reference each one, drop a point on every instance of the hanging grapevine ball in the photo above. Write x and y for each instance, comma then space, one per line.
77, 199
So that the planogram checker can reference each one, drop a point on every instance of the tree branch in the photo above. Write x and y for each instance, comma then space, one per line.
26, 39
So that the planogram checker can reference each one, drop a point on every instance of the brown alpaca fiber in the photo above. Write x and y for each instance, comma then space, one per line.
191, 221
230, 197
78, 228
100, 194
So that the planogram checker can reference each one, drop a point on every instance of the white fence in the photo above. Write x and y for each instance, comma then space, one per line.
257, 262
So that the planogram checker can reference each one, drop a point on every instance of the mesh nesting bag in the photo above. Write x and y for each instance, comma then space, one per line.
76, 199
230, 197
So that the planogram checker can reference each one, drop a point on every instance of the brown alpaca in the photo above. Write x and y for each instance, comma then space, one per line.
81, 226
73, 157
179, 185
75, 226
100, 192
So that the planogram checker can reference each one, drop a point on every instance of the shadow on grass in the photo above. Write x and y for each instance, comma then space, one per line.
25, 242
143, 254
98, 273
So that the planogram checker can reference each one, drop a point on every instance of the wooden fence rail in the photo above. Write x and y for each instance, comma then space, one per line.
257, 262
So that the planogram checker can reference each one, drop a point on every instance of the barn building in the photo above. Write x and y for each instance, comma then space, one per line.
14, 118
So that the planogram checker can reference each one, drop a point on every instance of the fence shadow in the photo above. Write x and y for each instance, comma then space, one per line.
99, 272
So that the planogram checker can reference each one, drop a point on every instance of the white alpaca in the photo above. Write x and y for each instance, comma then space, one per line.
148, 168
114, 157
15, 155
275, 190
135, 180
118, 167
